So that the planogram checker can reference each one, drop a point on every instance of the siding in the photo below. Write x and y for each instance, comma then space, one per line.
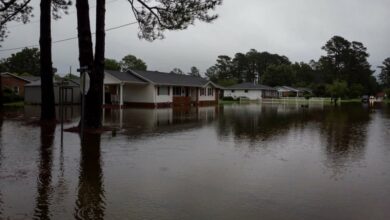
206, 97
251, 94
33, 95
139, 93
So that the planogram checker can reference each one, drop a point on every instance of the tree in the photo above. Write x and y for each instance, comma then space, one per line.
384, 75
346, 61
177, 71
131, 62
112, 64
194, 72
25, 61
303, 74
278, 75
338, 89
46, 66
13, 10
212, 74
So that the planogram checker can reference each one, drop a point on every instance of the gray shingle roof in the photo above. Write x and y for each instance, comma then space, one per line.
160, 78
250, 86
38, 83
125, 77
30, 78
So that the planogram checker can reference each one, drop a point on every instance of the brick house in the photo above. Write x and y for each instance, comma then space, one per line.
16, 83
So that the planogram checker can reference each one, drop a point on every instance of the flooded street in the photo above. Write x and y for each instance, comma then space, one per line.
268, 161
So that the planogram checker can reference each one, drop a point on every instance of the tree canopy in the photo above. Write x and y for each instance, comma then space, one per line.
156, 16
177, 71
112, 64
132, 62
13, 10
344, 61
194, 72
384, 75
24, 61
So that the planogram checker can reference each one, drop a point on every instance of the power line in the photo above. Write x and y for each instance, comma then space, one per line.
68, 39
69, 13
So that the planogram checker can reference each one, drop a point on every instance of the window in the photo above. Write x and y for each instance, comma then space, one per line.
16, 90
202, 92
210, 91
246, 91
177, 91
162, 90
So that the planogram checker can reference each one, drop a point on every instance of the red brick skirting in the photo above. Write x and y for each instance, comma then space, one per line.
159, 105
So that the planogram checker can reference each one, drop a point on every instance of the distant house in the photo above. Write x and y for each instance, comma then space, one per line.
156, 89
287, 91
250, 91
70, 88
16, 83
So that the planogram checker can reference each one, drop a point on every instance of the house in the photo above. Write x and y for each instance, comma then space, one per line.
287, 91
250, 91
70, 88
153, 89
16, 83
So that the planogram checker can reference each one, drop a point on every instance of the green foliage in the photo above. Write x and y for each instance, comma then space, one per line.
384, 75
13, 10
71, 76
227, 82
355, 91
177, 71
281, 75
112, 64
346, 61
244, 67
131, 62
387, 92
154, 17
25, 61
338, 89
9, 96
194, 72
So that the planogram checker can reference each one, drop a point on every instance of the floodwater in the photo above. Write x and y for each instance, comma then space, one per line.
229, 162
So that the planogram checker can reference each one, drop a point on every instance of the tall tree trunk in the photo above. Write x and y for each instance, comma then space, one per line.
85, 49
47, 90
1, 94
94, 99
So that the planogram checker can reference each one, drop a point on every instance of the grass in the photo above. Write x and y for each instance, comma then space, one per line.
14, 104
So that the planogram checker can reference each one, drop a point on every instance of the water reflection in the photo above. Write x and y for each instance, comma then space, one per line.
90, 202
256, 123
345, 132
44, 194
137, 122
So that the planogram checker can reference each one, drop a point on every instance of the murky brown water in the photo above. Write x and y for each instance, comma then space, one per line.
231, 162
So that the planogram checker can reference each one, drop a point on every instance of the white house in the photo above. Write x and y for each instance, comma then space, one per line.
250, 91
156, 89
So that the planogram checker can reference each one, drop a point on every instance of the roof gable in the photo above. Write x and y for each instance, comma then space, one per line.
27, 79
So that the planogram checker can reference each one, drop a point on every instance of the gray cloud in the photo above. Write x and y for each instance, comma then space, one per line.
295, 28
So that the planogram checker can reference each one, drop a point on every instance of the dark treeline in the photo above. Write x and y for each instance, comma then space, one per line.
344, 71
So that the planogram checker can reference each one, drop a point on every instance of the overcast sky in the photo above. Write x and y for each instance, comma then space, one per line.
295, 28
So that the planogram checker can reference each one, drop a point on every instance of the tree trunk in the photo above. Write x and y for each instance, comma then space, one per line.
47, 90
1, 94
85, 50
94, 100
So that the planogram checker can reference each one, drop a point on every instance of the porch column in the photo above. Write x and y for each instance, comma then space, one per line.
104, 95
121, 95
